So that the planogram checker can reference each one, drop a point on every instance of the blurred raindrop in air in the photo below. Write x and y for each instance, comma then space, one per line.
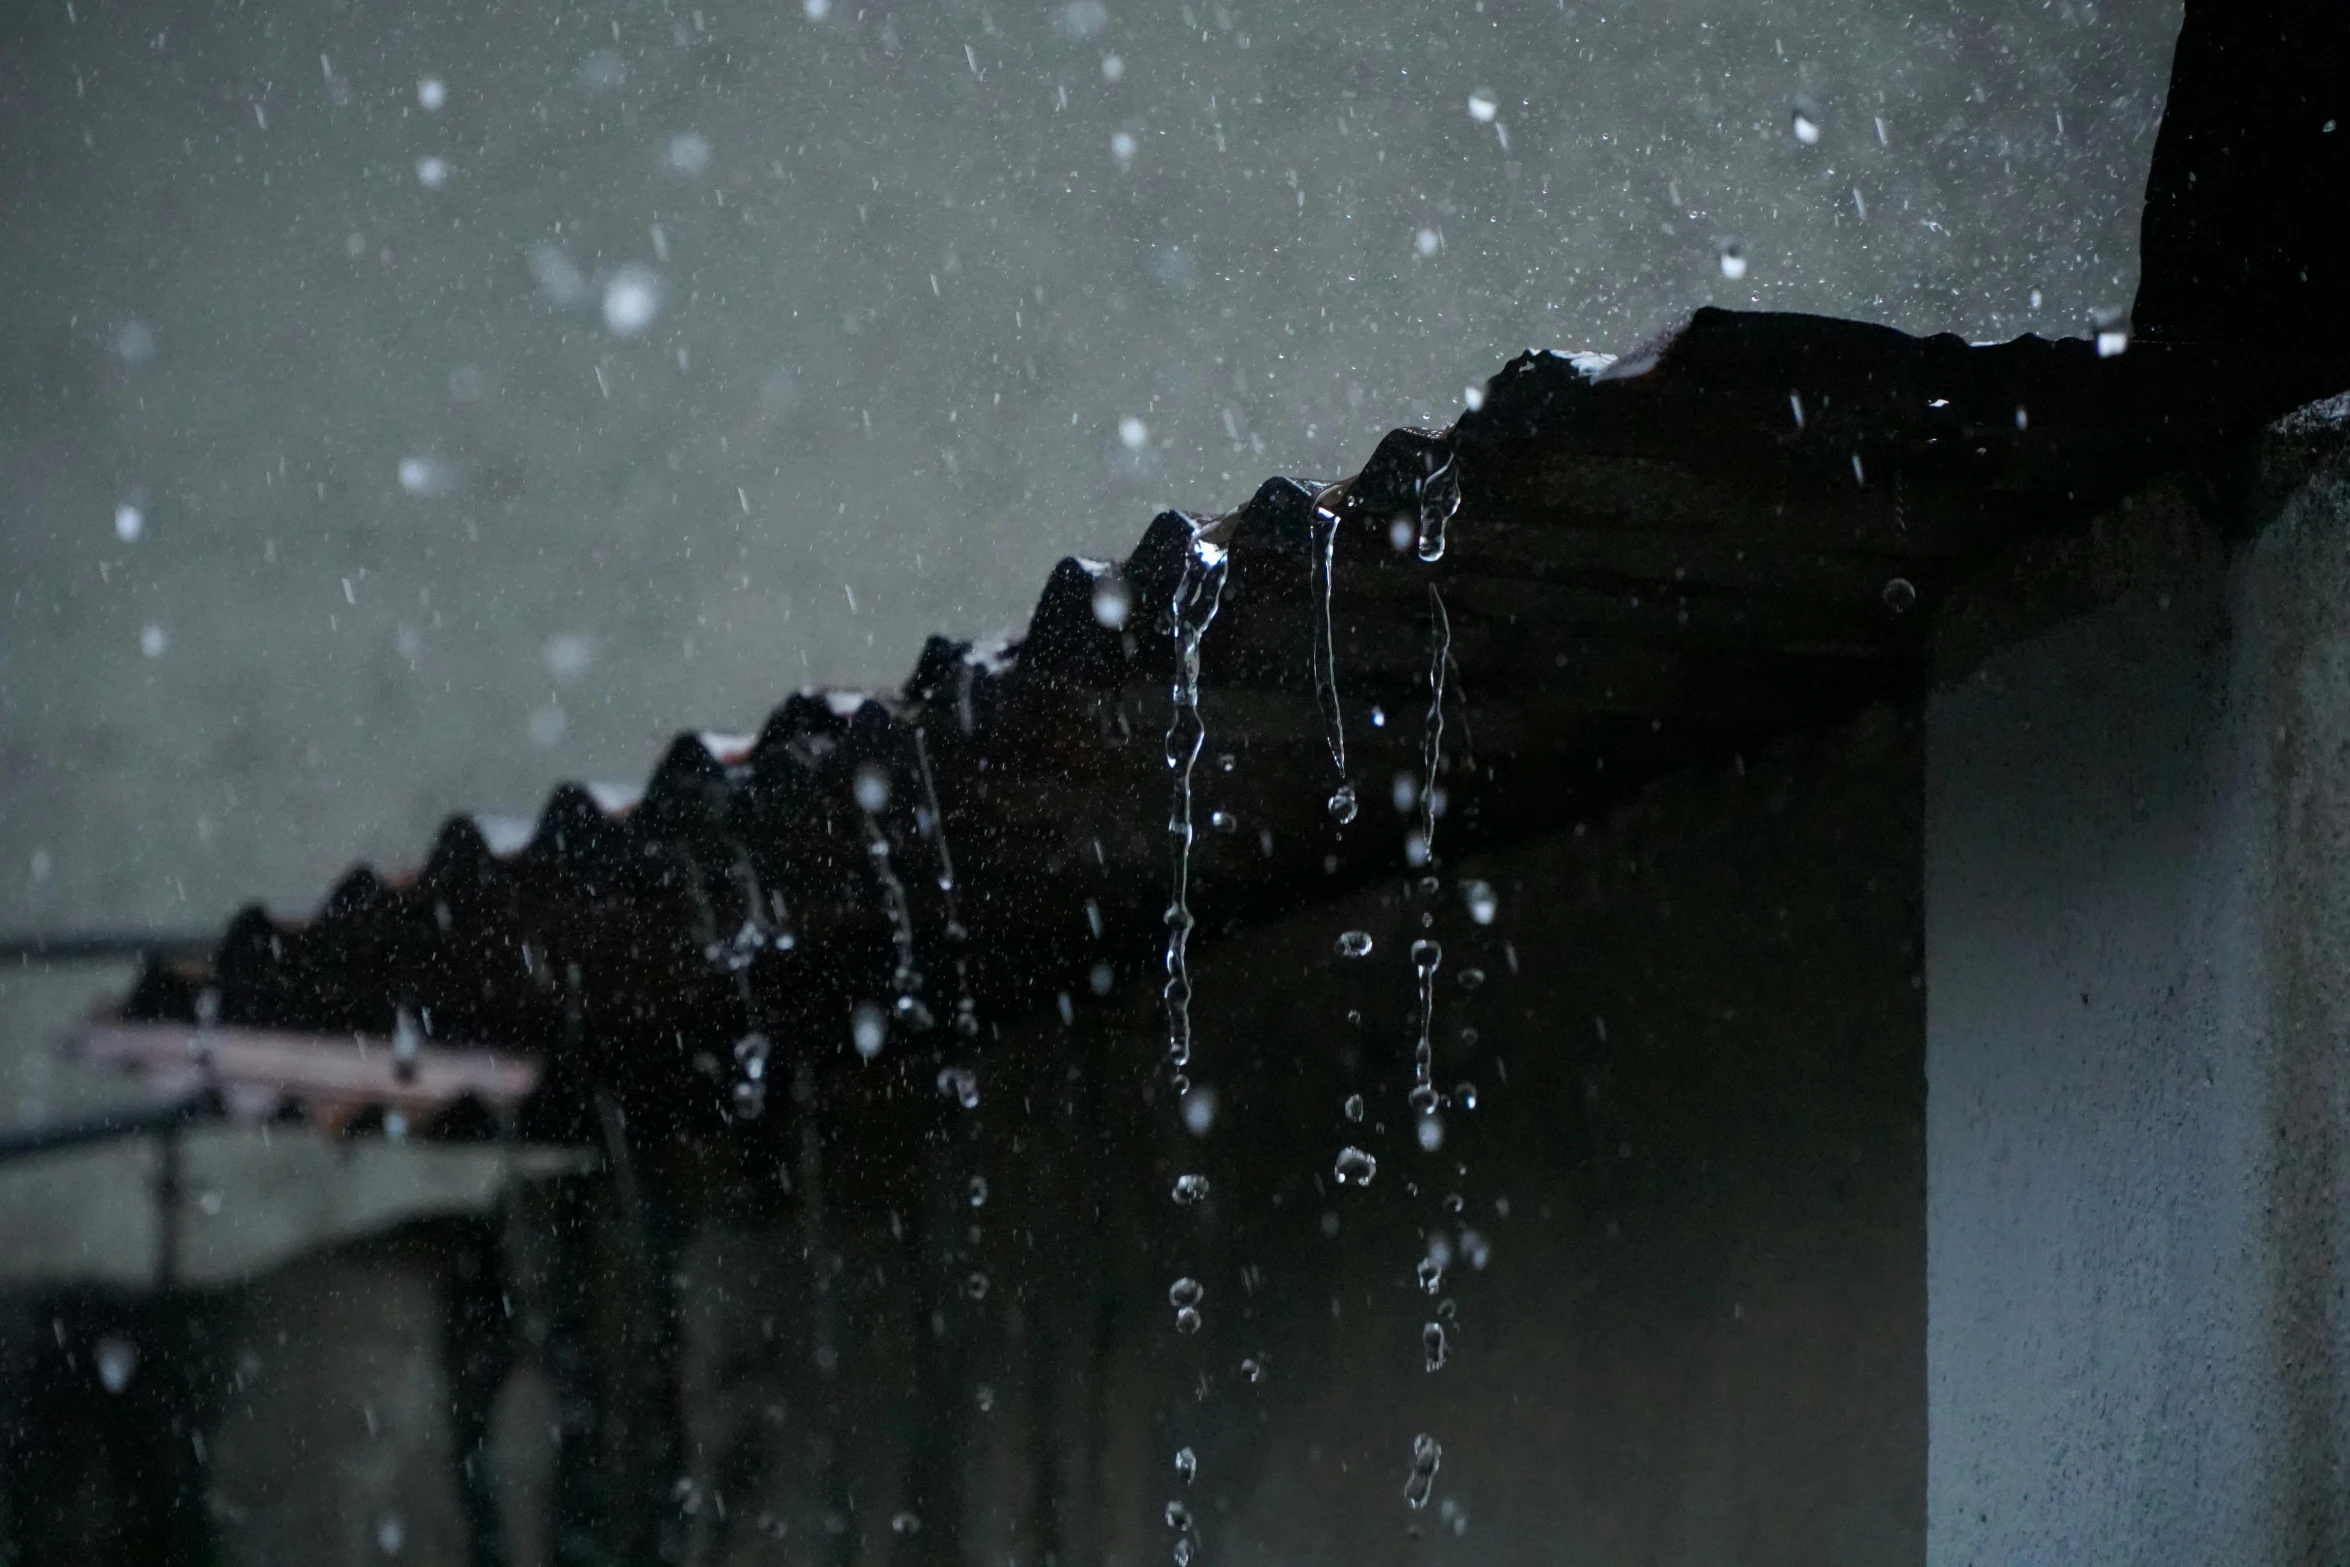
632, 298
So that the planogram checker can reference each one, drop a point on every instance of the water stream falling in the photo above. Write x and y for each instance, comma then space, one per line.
1197, 594
1427, 957
966, 1013
1432, 738
1328, 512
908, 979
1440, 497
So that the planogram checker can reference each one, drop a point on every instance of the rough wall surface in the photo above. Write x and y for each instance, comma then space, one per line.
2137, 912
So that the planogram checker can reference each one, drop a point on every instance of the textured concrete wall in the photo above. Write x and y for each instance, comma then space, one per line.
2138, 919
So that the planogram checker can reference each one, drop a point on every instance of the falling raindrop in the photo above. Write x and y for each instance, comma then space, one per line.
1431, 1270
432, 173
632, 298
979, 1191
1199, 1110
689, 153
871, 787
1354, 1167
1342, 804
1474, 1247
1186, 1464
1190, 1189
1483, 106
1354, 944
1185, 1295
1731, 253
1900, 594
153, 640
976, 1286
1805, 120
961, 1082
1430, 1132
117, 1359
1435, 1347
1427, 1458
1122, 148
1253, 1370
129, 523
868, 1027
432, 93
905, 1523
1353, 1107
1133, 434
1483, 905
1113, 602
1465, 1095
391, 1534
1427, 242
1427, 957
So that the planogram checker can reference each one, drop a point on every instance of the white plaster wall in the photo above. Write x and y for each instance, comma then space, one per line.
2137, 910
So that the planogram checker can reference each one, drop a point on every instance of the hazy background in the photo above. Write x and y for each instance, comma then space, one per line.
403, 406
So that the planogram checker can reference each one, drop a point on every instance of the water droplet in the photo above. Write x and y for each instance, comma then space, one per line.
632, 298
153, 640
1185, 1291
1133, 434
1805, 119
961, 1082
689, 153
979, 1191
1465, 1096
432, 93
1427, 1458
1430, 1132
1113, 601
1122, 148
1431, 1272
1731, 254
1434, 1346
1483, 905
1113, 68
1253, 1370
1900, 594
1187, 1319
432, 173
1183, 1551
1354, 944
129, 523
1427, 241
905, 1523
2113, 333
868, 1027
117, 1359
985, 1398
976, 1286
1190, 1189
1199, 1110
420, 475
1223, 821
1483, 106
1426, 956
1342, 804
1353, 1107
391, 1534
871, 787
1354, 1167
1186, 1464
1474, 1247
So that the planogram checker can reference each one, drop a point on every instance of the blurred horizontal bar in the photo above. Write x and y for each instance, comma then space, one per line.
24, 1141
104, 946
